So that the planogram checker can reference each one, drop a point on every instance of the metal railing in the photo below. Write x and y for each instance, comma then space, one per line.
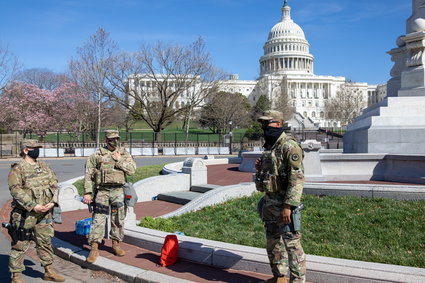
61, 144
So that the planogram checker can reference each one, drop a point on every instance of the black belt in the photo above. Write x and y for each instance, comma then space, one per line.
108, 188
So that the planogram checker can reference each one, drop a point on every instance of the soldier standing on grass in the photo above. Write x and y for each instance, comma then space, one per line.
34, 188
280, 175
107, 169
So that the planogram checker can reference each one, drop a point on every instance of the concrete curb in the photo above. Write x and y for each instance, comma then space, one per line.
123, 271
216, 196
400, 192
319, 269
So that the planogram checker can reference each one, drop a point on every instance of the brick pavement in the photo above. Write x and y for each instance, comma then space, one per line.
143, 258
149, 260
227, 174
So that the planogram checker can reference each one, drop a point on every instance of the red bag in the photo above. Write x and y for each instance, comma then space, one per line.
170, 250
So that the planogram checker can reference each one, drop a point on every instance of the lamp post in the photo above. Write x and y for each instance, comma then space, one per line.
230, 136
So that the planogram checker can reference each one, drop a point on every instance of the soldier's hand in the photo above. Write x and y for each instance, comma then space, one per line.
40, 208
116, 156
286, 214
87, 198
49, 206
258, 164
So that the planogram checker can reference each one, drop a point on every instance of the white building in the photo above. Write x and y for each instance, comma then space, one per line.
286, 63
287, 58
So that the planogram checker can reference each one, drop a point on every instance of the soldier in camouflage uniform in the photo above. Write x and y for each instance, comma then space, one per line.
280, 175
34, 188
106, 173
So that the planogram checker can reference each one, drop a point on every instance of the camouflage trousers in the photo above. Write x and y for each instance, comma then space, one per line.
43, 233
113, 197
283, 243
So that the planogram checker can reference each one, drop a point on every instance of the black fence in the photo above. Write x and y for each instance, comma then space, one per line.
61, 144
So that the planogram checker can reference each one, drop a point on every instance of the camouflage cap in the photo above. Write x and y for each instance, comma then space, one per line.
110, 134
271, 115
30, 143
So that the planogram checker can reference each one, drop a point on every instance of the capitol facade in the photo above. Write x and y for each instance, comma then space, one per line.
288, 66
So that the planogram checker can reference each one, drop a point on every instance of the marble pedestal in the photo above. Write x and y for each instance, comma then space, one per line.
395, 126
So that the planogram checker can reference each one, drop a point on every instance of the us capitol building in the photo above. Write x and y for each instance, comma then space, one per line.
287, 63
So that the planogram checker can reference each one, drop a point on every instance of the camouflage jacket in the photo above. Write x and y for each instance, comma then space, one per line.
281, 174
103, 170
32, 184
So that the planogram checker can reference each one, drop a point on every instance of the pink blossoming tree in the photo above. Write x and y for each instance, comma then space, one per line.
27, 108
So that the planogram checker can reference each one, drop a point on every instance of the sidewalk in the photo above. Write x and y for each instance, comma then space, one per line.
148, 260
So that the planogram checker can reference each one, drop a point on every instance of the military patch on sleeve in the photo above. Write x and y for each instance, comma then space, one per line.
13, 178
295, 157
13, 165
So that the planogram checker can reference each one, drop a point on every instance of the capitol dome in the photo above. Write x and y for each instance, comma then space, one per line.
286, 49
286, 28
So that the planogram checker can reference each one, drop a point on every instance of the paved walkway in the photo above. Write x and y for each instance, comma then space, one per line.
145, 259
227, 174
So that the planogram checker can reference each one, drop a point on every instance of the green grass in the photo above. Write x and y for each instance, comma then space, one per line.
140, 131
142, 172
171, 134
376, 230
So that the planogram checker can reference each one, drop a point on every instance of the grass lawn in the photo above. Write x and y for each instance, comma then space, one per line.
376, 230
142, 172
141, 131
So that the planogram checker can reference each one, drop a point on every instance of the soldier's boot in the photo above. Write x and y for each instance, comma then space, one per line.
276, 279
16, 277
94, 252
51, 275
116, 249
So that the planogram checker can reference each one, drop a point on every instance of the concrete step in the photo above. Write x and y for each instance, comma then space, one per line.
178, 197
203, 188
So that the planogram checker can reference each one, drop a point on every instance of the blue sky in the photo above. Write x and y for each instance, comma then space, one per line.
347, 38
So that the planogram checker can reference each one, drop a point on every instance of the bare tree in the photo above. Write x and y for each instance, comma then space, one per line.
118, 116
162, 81
224, 107
9, 66
90, 68
43, 78
347, 104
283, 100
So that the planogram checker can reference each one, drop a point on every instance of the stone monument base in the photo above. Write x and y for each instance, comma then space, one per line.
396, 126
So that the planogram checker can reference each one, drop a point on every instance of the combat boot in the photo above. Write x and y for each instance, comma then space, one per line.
16, 277
51, 275
276, 279
116, 249
94, 252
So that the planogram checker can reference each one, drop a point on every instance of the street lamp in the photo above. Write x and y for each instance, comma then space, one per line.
230, 136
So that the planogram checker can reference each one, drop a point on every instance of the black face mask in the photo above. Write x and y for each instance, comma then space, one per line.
113, 143
271, 135
34, 153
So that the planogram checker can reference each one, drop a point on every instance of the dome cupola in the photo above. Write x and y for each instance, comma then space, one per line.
286, 49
